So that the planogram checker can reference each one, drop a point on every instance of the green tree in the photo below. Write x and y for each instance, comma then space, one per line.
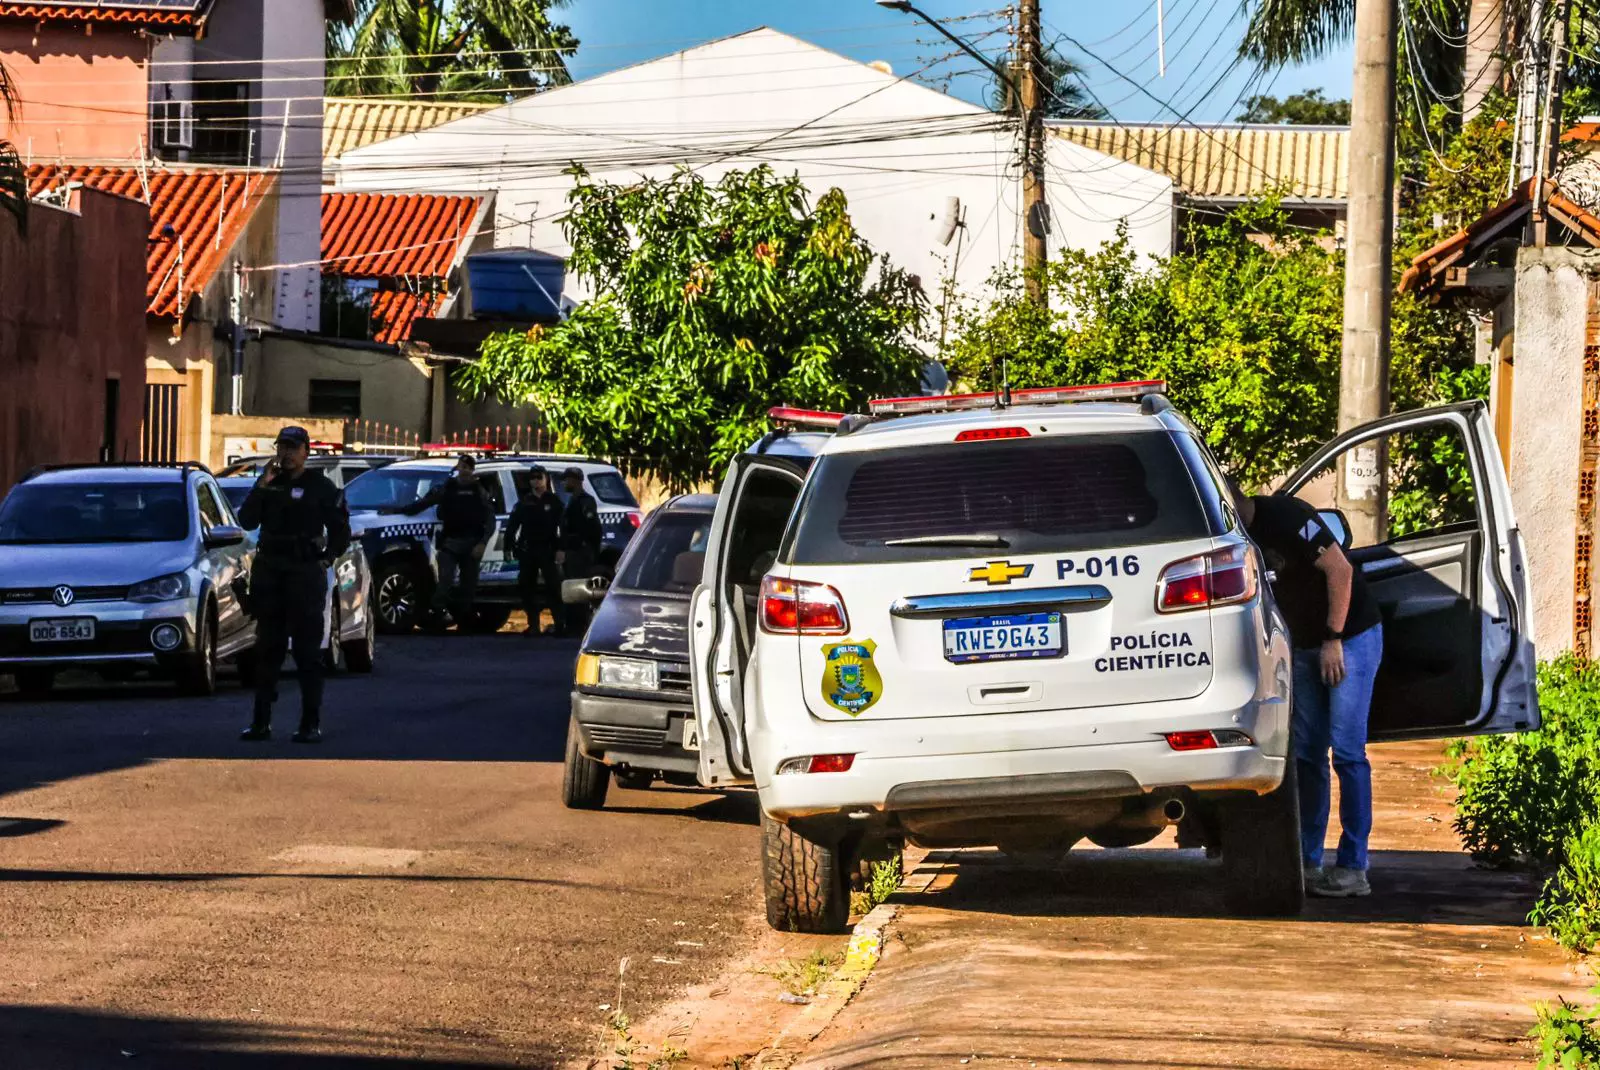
13, 176
712, 303
1062, 87
1310, 108
470, 47
1246, 329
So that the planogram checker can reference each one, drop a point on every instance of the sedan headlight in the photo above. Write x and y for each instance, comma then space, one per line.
634, 674
160, 589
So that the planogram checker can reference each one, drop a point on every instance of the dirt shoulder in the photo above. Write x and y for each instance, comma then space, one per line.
1126, 958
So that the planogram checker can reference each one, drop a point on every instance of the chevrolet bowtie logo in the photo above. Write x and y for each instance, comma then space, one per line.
998, 573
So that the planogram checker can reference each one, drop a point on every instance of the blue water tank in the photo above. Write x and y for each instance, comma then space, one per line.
516, 284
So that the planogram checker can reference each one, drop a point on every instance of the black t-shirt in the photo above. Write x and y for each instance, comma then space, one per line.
1292, 537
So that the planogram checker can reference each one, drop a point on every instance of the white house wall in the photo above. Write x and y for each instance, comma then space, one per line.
898, 150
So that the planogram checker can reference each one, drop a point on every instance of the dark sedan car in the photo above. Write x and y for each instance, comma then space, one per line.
632, 715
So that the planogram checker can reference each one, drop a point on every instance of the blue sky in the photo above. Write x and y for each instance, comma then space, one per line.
1200, 41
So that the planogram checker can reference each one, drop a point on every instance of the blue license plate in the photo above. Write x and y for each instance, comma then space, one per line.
1013, 638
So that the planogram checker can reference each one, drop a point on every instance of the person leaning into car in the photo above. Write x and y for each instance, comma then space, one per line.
466, 524
305, 527
1337, 634
532, 538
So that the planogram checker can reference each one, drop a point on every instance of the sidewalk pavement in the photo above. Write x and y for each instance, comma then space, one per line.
1126, 958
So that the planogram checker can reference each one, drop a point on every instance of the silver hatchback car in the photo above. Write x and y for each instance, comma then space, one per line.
120, 567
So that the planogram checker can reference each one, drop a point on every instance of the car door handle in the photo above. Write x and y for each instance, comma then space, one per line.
1038, 599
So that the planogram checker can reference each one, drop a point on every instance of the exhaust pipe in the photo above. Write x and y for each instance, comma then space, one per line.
1173, 810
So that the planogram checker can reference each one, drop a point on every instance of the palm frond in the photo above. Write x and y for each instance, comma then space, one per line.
1284, 32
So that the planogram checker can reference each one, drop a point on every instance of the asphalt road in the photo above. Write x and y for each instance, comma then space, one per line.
411, 890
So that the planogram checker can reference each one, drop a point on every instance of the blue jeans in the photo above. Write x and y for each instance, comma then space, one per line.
1335, 717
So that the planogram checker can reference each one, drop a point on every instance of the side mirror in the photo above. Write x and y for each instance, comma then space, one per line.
587, 591
224, 535
1334, 520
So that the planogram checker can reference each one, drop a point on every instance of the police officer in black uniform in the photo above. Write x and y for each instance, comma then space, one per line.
305, 527
532, 538
581, 535
466, 524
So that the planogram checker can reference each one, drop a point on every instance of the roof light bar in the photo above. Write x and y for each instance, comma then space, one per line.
1048, 395
788, 414
462, 447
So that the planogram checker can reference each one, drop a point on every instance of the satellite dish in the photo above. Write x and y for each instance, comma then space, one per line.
935, 379
950, 220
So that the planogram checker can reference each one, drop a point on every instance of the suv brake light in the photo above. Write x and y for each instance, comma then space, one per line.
989, 434
1219, 578
796, 607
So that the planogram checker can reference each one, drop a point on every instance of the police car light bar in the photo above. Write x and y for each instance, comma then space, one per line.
1047, 395
462, 447
787, 414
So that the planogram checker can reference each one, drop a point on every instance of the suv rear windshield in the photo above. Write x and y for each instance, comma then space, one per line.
1064, 493
611, 488
383, 487
669, 556
84, 513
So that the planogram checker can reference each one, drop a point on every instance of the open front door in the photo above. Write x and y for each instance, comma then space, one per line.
752, 511
1449, 577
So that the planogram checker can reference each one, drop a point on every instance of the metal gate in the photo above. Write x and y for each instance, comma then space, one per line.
161, 422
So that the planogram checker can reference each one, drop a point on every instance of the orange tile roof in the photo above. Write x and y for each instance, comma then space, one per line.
207, 210
169, 14
376, 234
398, 310
397, 235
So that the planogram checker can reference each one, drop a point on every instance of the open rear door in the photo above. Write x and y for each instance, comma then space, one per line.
752, 512
1450, 575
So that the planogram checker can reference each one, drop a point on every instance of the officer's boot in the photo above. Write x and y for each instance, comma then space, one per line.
310, 730
260, 728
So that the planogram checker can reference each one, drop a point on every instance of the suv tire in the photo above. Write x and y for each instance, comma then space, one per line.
583, 780
400, 597
806, 883
197, 672
1261, 870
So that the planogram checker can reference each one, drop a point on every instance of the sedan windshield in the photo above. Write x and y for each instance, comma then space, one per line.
669, 556
88, 513
385, 487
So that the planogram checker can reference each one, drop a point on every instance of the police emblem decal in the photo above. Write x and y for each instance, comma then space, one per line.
850, 681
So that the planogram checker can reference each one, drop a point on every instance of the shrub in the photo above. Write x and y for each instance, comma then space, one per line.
1523, 798
1570, 902
1568, 1038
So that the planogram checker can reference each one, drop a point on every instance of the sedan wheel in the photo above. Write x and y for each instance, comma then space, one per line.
198, 673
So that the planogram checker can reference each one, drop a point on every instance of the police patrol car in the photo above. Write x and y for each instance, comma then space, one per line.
977, 621
401, 548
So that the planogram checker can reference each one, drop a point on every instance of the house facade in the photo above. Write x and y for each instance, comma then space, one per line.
932, 181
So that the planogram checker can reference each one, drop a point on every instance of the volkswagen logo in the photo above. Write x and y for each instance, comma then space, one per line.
62, 595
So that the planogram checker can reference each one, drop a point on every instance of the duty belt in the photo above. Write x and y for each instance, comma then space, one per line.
290, 548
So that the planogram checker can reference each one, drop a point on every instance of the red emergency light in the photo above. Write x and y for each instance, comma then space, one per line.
462, 447
1046, 395
788, 414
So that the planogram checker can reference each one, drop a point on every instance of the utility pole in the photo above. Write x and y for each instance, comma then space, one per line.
1550, 128
1364, 371
1528, 85
1035, 209
1023, 89
236, 341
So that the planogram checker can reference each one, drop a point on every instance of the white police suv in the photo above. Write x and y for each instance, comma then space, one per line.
1027, 624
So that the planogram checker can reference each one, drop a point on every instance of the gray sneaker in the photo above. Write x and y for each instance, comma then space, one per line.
1336, 882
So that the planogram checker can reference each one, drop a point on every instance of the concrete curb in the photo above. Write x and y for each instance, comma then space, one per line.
866, 948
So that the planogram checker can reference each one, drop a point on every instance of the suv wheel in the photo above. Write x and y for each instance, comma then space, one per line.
360, 654
399, 597
197, 673
583, 780
35, 683
1261, 870
807, 884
